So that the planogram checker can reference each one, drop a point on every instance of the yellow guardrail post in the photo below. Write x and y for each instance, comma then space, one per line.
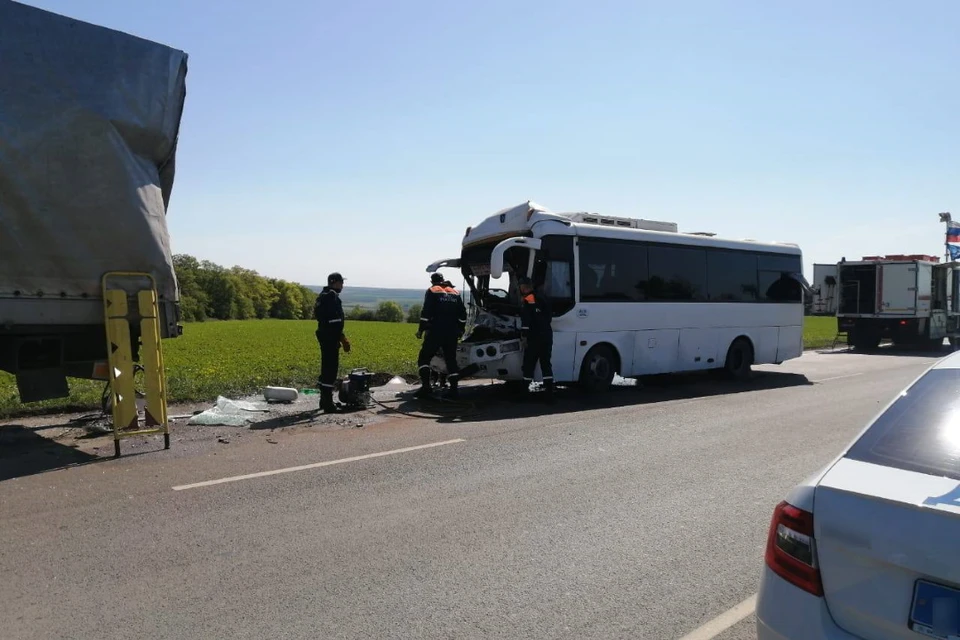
118, 318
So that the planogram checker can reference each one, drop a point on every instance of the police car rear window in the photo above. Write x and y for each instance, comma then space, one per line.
920, 431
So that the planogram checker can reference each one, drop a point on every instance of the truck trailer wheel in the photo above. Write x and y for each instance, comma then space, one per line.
739, 359
598, 368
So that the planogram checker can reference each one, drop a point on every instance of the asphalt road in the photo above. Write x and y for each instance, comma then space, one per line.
641, 516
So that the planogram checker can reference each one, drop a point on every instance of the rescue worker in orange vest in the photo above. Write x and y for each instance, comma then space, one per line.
443, 320
536, 317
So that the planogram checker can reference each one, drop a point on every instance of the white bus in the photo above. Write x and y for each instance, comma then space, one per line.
630, 297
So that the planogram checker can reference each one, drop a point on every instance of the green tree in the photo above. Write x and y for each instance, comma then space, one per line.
258, 293
413, 315
193, 297
359, 314
309, 297
222, 291
389, 311
289, 305
208, 290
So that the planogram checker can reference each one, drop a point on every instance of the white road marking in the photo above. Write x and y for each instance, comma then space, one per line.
723, 621
315, 465
849, 375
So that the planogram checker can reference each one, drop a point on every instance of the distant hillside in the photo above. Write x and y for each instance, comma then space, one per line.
370, 297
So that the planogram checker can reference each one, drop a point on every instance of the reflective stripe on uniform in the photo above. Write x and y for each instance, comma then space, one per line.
335, 321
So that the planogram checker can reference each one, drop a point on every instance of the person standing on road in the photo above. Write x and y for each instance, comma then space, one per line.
442, 323
328, 311
441, 378
537, 330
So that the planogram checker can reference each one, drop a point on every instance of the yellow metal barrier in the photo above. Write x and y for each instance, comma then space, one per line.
118, 287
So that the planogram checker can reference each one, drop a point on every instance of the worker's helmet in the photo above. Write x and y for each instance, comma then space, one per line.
436, 278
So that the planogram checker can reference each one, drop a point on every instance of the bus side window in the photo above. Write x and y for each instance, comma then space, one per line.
780, 287
556, 258
775, 279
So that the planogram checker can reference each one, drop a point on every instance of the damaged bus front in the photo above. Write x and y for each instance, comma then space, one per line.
522, 241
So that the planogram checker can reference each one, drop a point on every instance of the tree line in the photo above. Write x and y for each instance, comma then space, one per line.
386, 311
209, 291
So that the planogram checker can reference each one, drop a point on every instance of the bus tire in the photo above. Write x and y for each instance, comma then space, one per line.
598, 369
739, 359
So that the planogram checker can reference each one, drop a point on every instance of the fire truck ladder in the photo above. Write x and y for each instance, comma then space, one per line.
118, 289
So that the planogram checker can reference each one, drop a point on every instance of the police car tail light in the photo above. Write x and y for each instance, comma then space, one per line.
791, 549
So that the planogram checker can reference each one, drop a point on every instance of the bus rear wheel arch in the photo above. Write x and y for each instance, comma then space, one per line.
739, 359
598, 368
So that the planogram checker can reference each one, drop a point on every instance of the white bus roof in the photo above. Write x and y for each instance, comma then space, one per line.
522, 219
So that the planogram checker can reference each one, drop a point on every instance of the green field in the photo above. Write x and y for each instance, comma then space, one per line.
238, 357
819, 332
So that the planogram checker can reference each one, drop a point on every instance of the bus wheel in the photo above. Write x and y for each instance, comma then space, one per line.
596, 372
739, 359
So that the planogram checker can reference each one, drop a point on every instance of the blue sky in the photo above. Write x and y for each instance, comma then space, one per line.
365, 136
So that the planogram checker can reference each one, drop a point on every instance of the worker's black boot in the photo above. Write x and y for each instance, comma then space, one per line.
454, 392
425, 391
548, 396
326, 401
523, 391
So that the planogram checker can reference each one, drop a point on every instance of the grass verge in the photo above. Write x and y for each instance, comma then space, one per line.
239, 357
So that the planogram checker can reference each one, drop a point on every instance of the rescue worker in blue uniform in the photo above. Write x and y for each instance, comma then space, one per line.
328, 310
442, 323
536, 328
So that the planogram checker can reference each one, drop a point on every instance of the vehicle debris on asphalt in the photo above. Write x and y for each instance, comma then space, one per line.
229, 413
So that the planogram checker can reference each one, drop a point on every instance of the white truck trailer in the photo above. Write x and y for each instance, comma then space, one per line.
824, 290
909, 299
89, 121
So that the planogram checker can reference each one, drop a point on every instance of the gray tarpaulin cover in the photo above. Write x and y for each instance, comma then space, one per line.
88, 130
